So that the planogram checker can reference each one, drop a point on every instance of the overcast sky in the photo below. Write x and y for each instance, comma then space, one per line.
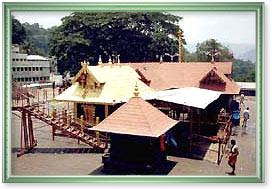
226, 27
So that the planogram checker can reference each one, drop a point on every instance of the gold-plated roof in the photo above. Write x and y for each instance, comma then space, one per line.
107, 84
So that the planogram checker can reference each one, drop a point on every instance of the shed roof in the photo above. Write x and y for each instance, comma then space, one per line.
36, 57
137, 117
189, 96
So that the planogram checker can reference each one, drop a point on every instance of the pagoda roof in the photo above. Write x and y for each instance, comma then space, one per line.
136, 117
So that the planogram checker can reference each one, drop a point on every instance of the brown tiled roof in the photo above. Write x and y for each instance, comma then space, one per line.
178, 75
137, 117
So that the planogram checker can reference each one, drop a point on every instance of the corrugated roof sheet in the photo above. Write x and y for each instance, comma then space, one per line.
118, 86
189, 96
136, 117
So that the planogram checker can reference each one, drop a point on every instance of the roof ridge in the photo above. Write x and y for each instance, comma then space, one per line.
145, 117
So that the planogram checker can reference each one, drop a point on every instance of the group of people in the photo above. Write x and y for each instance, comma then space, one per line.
233, 154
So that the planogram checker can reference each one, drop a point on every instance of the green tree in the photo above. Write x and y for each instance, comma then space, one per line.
38, 38
136, 37
18, 32
243, 70
205, 49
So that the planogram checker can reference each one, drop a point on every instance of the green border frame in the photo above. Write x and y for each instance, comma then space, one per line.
257, 7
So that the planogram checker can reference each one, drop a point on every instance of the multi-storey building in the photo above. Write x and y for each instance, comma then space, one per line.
31, 68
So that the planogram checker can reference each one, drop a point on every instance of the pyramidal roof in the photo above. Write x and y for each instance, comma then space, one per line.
137, 117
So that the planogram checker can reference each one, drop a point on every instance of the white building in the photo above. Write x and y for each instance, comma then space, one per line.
31, 68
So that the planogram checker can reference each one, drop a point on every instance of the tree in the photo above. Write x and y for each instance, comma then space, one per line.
37, 37
18, 32
211, 47
243, 70
136, 37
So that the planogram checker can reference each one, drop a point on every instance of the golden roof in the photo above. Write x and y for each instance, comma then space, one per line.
105, 84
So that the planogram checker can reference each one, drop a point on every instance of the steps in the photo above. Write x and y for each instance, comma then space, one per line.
73, 131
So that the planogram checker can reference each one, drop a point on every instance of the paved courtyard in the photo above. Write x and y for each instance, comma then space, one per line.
64, 156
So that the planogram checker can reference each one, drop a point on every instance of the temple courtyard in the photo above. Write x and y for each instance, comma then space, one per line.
64, 156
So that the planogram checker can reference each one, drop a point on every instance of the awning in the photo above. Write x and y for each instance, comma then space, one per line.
189, 96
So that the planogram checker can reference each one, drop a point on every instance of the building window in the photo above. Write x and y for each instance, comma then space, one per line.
41, 78
21, 59
25, 68
13, 69
29, 68
26, 79
17, 59
22, 69
13, 59
23, 79
18, 69
40, 68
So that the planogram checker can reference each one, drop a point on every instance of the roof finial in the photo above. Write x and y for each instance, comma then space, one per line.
118, 60
136, 90
110, 62
100, 63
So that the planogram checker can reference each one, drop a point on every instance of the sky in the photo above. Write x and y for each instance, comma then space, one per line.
226, 27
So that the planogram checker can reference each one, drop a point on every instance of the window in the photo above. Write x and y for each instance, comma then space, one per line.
40, 68
13, 59
41, 78
22, 69
13, 69
26, 79
17, 59
23, 79
37, 69
25, 68
29, 68
21, 59
18, 69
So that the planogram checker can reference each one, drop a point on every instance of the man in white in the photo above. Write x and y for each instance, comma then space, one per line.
246, 117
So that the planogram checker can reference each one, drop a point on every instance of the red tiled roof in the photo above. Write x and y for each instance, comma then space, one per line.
178, 75
137, 117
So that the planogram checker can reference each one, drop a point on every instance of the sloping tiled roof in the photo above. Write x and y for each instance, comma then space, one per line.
117, 85
136, 117
178, 75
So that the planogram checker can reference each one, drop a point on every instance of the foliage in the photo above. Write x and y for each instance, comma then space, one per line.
32, 39
136, 37
243, 70
212, 46
18, 32
37, 37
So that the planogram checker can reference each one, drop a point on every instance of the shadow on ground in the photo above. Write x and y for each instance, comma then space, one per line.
164, 169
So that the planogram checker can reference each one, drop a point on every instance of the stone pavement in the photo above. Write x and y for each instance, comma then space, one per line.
55, 163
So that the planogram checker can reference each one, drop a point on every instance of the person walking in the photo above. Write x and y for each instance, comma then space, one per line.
245, 116
232, 157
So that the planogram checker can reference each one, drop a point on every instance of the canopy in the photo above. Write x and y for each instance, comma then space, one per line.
189, 96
